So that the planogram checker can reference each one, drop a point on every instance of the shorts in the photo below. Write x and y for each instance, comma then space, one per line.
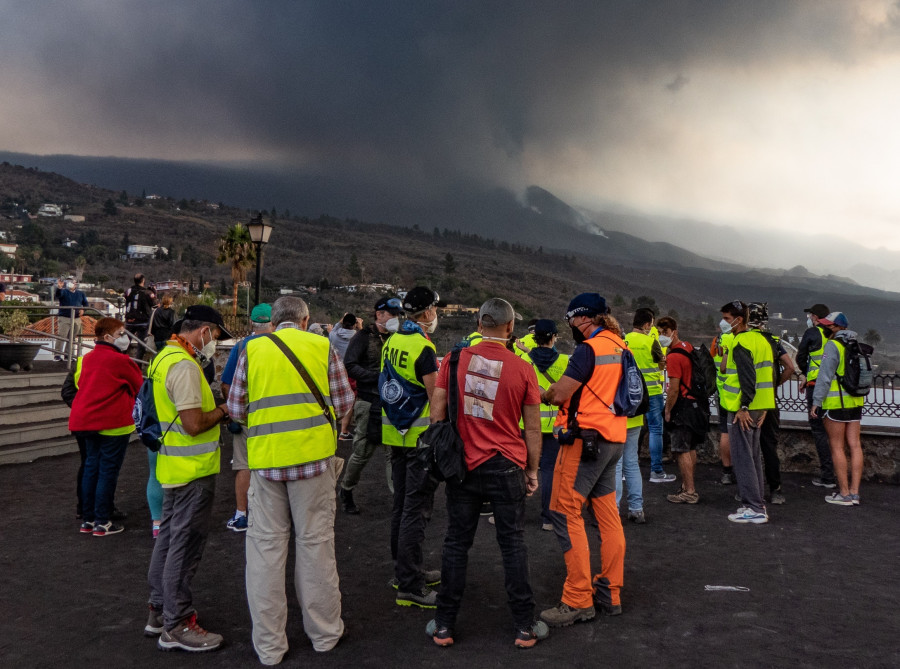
723, 419
681, 439
850, 415
239, 451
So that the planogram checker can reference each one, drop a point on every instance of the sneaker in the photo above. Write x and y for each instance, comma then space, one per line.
237, 523
528, 637
118, 514
442, 636
426, 598
547, 527
637, 517
728, 478
563, 615
684, 497
855, 499
778, 497
661, 477
189, 636
432, 578
821, 483
745, 515
345, 436
838, 498
608, 609
154, 626
347, 504
87, 527
106, 529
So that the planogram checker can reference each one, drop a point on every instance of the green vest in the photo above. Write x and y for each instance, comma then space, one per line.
815, 358
641, 346
528, 342
403, 350
182, 458
764, 364
724, 341
285, 424
836, 397
474, 338
555, 371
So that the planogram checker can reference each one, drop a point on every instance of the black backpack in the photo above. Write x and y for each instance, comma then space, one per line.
857, 377
703, 371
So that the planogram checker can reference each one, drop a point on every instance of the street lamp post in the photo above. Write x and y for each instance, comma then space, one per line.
259, 235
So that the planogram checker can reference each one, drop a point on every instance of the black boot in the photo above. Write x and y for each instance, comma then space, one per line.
348, 505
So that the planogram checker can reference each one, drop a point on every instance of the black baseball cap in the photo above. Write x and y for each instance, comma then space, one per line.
818, 310
204, 314
420, 298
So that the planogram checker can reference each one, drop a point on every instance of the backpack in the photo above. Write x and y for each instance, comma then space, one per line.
857, 377
703, 371
631, 397
146, 420
402, 400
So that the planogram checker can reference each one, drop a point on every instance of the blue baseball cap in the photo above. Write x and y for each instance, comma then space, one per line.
835, 318
587, 304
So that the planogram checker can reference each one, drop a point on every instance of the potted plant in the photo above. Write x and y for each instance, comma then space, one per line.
15, 355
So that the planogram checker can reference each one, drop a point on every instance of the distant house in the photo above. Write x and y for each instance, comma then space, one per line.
70, 243
50, 210
105, 307
22, 296
171, 285
74, 218
153, 197
9, 249
456, 310
12, 277
141, 251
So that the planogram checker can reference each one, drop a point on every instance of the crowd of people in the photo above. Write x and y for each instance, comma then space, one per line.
528, 417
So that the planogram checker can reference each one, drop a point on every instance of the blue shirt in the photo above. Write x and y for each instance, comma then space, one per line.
581, 362
71, 298
231, 363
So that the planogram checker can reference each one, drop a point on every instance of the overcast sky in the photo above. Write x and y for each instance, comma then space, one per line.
776, 114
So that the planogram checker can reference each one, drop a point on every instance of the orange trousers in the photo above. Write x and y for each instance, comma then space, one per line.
577, 484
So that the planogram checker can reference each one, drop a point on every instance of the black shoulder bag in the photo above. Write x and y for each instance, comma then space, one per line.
313, 388
440, 449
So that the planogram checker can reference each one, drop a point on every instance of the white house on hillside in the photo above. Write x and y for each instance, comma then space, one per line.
141, 251
50, 210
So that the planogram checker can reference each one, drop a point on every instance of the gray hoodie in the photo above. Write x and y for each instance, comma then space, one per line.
340, 337
831, 358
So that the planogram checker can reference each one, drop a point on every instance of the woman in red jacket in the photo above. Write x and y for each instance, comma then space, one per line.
101, 412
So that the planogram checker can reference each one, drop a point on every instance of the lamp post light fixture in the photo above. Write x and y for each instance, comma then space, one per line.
259, 235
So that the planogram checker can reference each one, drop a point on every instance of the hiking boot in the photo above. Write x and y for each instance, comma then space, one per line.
106, 528
189, 636
684, 497
87, 527
728, 478
608, 609
432, 578
529, 636
778, 497
838, 498
637, 517
661, 477
442, 636
425, 598
746, 515
563, 615
822, 483
347, 503
237, 524
154, 626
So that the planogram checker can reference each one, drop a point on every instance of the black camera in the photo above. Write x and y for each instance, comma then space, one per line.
590, 446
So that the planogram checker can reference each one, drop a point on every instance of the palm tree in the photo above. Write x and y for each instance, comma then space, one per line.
236, 248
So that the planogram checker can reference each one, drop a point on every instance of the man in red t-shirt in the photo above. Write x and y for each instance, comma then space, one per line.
495, 388
684, 416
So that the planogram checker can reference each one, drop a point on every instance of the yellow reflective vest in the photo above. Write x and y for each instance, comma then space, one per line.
286, 426
815, 357
764, 364
555, 372
182, 458
403, 350
836, 397
641, 346
526, 342
723, 343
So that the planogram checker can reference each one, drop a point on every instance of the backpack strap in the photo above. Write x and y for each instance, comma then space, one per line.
301, 370
452, 386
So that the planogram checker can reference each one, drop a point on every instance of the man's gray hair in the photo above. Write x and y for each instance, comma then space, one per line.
496, 312
289, 309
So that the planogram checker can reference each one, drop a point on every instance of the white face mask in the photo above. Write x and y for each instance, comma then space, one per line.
392, 324
208, 350
724, 326
664, 340
429, 327
121, 343
809, 322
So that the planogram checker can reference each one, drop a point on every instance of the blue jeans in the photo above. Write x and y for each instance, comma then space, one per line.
502, 483
549, 452
105, 455
655, 425
629, 464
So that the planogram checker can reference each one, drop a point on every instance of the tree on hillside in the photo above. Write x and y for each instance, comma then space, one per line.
110, 208
449, 264
872, 337
353, 268
644, 301
236, 249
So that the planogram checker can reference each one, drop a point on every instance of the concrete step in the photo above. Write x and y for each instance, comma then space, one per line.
20, 381
9, 399
35, 413
30, 452
12, 435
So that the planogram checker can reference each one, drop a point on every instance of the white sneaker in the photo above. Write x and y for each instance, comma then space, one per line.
661, 477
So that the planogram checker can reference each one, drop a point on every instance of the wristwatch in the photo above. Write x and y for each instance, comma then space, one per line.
745, 408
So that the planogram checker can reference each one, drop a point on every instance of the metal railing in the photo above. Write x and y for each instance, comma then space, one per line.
74, 341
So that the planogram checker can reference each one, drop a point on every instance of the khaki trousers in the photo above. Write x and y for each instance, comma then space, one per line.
308, 504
